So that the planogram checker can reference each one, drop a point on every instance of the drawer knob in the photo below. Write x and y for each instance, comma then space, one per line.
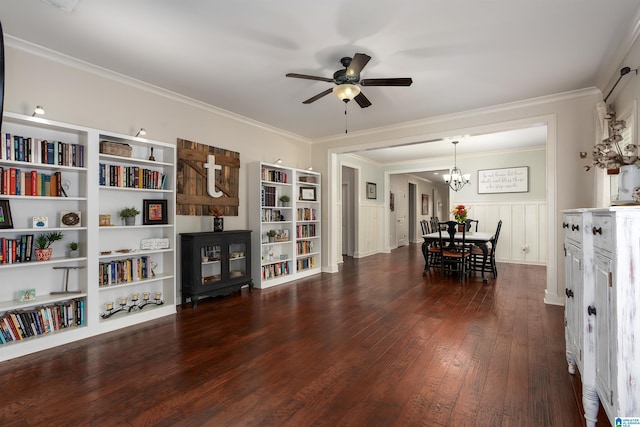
591, 310
575, 227
597, 230
565, 225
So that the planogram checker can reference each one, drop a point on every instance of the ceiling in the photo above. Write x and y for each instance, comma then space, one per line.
234, 55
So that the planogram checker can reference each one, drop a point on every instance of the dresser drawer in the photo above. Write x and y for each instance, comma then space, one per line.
572, 227
603, 232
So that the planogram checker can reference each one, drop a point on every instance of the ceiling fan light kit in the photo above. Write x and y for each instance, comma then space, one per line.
346, 92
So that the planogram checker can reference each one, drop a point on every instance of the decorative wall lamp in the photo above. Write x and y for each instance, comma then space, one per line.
39, 111
141, 132
456, 179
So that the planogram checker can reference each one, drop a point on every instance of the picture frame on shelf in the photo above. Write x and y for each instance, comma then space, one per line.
104, 220
5, 214
371, 190
40, 222
154, 212
308, 194
70, 218
282, 235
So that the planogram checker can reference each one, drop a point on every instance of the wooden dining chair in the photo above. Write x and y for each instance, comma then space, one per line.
472, 224
477, 256
455, 253
430, 250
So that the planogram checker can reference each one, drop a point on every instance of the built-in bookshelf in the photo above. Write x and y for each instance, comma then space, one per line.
286, 234
50, 182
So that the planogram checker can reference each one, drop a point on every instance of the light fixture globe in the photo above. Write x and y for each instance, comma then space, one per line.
456, 179
346, 91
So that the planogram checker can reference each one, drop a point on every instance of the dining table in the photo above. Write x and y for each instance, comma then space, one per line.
478, 238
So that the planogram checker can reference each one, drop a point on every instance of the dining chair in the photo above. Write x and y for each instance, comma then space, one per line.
470, 224
477, 256
430, 250
455, 253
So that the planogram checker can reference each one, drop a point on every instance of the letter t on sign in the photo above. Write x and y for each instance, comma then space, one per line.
211, 176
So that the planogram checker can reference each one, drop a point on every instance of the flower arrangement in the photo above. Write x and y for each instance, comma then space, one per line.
216, 211
460, 213
609, 154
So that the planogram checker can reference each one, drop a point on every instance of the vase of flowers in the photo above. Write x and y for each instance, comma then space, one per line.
218, 221
617, 157
460, 213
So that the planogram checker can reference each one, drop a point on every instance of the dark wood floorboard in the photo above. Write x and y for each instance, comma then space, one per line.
377, 344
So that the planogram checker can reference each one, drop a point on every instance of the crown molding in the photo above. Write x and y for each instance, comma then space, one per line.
40, 51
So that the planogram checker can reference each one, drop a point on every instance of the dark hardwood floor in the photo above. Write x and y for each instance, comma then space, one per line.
377, 344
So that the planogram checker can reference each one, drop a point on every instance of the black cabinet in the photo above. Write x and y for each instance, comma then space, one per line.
215, 263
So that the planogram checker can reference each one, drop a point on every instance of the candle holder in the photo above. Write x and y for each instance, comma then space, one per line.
110, 311
134, 302
146, 299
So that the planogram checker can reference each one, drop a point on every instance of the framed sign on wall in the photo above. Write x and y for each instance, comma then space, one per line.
504, 180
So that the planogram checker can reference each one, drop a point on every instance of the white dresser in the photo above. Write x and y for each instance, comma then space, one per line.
602, 309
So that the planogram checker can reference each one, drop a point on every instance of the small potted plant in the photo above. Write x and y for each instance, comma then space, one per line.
74, 252
218, 221
271, 234
128, 215
43, 245
284, 199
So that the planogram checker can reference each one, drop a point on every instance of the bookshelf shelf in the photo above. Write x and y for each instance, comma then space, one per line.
77, 157
277, 261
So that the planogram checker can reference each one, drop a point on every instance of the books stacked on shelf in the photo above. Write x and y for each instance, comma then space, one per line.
305, 230
131, 177
306, 214
304, 247
275, 175
17, 182
19, 325
277, 269
16, 250
268, 196
24, 149
272, 215
306, 263
308, 179
122, 271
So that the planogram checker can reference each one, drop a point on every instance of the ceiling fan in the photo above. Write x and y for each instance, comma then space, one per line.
348, 79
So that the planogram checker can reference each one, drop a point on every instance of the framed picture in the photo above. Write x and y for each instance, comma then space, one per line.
104, 220
154, 212
504, 180
40, 222
392, 204
282, 235
425, 204
308, 193
5, 215
371, 190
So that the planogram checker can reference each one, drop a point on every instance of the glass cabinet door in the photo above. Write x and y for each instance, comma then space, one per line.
237, 259
211, 266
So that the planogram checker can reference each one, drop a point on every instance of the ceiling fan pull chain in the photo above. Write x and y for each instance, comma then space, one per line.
346, 123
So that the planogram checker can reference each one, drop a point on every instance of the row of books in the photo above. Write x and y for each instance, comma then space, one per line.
131, 177
17, 182
274, 175
268, 196
306, 263
277, 269
305, 230
124, 271
304, 247
272, 215
19, 325
33, 150
16, 250
306, 214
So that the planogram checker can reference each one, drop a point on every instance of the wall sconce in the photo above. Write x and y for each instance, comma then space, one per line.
39, 111
278, 162
141, 132
310, 168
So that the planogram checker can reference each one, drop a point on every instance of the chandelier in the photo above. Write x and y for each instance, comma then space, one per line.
456, 179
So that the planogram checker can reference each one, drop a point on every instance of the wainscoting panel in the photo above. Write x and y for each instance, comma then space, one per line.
370, 230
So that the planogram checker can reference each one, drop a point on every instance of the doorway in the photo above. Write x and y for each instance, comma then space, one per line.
348, 214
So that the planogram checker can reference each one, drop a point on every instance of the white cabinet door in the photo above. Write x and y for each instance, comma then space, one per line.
573, 303
605, 332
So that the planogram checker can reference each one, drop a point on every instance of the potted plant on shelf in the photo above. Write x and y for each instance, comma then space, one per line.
218, 221
43, 245
74, 252
284, 199
128, 215
271, 234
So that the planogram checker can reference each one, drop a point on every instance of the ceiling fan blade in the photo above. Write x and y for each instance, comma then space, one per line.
401, 81
362, 100
357, 64
318, 96
304, 76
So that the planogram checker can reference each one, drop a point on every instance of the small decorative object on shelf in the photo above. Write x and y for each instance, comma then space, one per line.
284, 200
40, 222
128, 215
43, 243
5, 214
70, 219
74, 252
26, 295
104, 220
151, 158
218, 221
271, 234
66, 280
154, 212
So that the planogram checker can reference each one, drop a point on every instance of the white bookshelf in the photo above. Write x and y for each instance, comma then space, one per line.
84, 194
295, 251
